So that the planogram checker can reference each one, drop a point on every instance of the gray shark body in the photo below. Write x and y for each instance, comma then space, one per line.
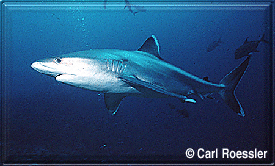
119, 73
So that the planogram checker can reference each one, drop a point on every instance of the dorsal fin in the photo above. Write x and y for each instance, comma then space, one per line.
245, 41
151, 46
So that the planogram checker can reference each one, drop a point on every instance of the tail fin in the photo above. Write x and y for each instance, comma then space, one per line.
230, 81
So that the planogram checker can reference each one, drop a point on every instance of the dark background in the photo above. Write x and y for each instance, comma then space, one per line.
46, 121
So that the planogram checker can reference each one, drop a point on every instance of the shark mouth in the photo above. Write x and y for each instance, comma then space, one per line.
44, 69
56, 76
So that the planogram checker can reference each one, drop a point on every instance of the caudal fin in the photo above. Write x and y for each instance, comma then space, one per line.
230, 81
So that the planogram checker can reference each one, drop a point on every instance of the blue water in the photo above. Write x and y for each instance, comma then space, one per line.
47, 121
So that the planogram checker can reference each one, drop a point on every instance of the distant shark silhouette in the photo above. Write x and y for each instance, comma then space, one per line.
138, 8
248, 47
119, 73
214, 45
129, 7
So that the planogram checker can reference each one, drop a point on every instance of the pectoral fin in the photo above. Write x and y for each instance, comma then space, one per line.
112, 101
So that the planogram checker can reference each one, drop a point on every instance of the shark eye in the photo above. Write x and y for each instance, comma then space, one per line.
57, 60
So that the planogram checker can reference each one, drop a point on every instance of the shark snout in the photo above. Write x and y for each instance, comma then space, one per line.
36, 66
44, 68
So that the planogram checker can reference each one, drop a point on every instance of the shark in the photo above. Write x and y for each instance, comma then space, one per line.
212, 46
120, 73
248, 47
138, 8
129, 7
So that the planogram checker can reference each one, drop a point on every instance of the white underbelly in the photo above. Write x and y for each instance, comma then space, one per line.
106, 83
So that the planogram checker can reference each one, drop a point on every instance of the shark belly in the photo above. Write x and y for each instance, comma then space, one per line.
97, 83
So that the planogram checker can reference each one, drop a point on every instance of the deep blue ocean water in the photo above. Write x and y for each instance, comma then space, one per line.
47, 121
